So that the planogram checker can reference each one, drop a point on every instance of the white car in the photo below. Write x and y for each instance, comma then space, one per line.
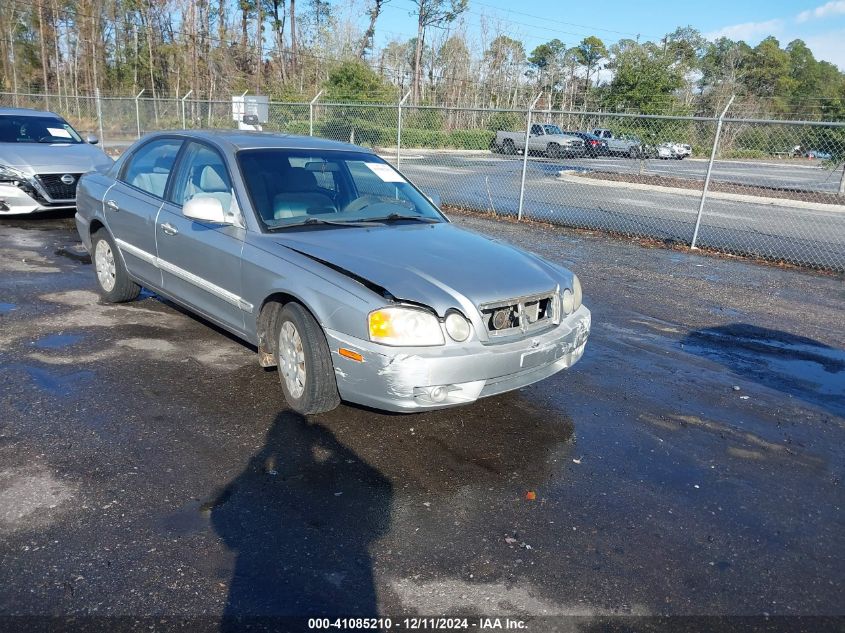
41, 160
665, 151
682, 150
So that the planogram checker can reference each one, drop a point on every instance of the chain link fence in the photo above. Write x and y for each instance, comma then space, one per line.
767, 189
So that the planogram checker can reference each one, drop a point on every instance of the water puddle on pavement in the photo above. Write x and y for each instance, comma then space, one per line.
194, 516
57, 341
794, 364
60, 385
7, 307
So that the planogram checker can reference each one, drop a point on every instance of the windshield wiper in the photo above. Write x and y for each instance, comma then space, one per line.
320, 221
393, 217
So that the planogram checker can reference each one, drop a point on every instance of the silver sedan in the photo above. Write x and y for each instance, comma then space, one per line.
41, 160
341, 272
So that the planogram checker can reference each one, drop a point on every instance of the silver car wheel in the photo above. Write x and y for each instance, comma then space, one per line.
292, 359
104, 262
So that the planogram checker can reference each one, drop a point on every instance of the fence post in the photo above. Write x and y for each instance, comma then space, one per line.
709, 172
188, 94
311, 113
399, 126
99, 107
525, 156
138, 111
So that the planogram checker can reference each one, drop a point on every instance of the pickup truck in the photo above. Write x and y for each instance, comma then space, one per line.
620, 145
544, 139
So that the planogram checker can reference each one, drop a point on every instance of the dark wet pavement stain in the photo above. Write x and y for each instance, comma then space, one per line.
61, 384
57, 341
795, 364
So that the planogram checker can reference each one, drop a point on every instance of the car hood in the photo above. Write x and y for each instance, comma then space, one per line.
39, 158
439, 265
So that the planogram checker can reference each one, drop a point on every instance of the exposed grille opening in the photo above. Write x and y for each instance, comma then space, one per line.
56, 189
516, 316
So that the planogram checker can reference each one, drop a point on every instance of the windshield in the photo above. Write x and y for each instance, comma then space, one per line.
16, 128
291, 187
552, 129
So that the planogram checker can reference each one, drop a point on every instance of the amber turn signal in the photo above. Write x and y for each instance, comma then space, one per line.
348, 353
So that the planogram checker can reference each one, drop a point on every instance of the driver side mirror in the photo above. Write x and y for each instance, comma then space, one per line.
91, 139
205, 209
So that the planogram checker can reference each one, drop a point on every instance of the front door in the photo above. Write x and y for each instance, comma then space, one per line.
201, 262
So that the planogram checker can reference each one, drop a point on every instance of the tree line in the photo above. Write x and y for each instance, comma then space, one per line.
290, 50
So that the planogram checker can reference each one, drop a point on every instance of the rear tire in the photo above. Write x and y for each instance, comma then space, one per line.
113, 281
305, 364
633, 153
508, 147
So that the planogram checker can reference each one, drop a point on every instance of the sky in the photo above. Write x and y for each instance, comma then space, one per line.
820, 24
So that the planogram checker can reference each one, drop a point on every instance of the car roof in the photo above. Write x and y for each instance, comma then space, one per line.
27, 111
243, 139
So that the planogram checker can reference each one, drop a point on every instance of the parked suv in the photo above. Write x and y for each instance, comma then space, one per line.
41, 160
621, 145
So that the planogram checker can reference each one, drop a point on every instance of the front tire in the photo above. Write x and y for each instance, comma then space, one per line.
113, 281
553, 151
305, 365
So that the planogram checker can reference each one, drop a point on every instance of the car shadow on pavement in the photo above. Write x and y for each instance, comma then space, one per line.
797, 365
300, 519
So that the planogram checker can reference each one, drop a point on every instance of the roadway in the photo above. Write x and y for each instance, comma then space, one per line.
812, 237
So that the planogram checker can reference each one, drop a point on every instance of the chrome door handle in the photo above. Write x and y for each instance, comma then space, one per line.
111, 204
168, 228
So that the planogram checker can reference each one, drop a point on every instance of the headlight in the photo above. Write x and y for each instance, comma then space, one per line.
409, 327
457, 327
576, 292
10, 174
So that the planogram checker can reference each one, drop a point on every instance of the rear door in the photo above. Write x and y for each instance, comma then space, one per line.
201, 262
133, 202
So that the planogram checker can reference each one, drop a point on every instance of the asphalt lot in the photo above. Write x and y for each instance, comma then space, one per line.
691, 463
808, 236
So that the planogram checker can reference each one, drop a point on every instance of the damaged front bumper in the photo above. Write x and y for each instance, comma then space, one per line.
408, 379
17, 200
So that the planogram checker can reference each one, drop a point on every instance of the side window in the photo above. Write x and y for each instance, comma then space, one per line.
149, 167
536, 129
325, 180
202, 173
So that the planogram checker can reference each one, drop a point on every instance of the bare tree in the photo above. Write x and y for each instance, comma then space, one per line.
369, 34
293, 51
431, 13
